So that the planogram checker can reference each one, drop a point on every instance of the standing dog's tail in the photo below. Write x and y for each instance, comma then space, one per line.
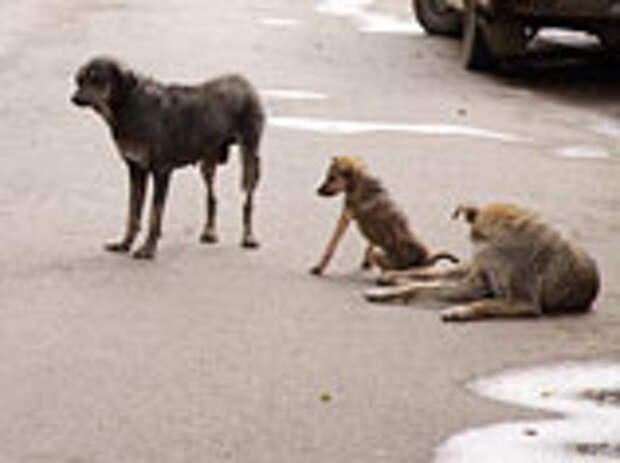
251, 133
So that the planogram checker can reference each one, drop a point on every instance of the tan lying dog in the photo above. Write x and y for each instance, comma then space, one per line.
392, 244
520, 267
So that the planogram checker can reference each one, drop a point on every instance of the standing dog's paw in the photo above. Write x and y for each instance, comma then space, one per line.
145, 252
459, 313
209, 237
120, 247
249, 242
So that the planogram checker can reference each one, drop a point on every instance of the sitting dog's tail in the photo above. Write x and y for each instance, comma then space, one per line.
442, 255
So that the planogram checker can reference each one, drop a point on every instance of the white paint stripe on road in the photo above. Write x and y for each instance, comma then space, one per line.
279, 22
583, 152
574, 390
340, 127
292, 94
367, 21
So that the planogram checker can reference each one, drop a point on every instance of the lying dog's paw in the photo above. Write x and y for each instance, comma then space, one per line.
382, 294
459, 313
387, 279
121, 247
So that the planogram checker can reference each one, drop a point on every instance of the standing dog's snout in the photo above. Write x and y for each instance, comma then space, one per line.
78, 100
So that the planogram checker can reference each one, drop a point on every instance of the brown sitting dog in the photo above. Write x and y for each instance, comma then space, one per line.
521, 266
392, 244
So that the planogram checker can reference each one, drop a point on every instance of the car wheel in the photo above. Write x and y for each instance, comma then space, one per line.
437, 18
477, 53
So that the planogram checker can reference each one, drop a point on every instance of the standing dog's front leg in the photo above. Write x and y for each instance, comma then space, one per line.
137, 187
341, 227
207, 168
161, 181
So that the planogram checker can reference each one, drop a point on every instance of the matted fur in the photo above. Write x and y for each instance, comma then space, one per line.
521, 266
159, 127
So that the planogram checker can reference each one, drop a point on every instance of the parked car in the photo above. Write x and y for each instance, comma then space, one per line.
493, 30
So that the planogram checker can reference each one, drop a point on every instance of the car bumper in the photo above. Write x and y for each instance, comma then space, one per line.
569, 10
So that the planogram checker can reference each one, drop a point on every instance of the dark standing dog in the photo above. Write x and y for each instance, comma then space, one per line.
391, 243
159, 127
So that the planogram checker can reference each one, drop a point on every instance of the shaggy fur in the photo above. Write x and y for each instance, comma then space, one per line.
521, 266
392, 244
159, 127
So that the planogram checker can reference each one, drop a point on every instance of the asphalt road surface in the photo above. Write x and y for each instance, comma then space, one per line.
215, 353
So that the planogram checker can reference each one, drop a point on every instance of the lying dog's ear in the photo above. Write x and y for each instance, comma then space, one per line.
468, 212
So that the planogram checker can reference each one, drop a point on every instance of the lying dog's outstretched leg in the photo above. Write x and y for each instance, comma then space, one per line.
161, 181
341, 227
137, 187
488, 308
394, 277
471, 288
207, 168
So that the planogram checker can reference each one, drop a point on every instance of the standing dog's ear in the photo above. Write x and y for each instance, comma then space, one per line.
125, 80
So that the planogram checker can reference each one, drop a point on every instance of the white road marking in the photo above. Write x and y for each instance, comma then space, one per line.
583, 152
367, 21
292, 94
343, 127
279, 22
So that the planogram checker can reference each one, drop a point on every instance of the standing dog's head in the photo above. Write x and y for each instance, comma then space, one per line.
101, 83
341, 175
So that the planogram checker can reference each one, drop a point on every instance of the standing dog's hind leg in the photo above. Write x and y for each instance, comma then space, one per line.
137, 187
251, 176
161, 183
207, 168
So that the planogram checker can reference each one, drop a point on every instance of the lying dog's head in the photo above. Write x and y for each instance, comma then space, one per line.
341, 175
100, 83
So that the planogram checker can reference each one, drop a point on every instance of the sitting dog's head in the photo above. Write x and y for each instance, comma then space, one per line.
341, 175
100, 83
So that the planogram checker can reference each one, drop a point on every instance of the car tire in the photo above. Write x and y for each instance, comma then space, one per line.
476, 54
436, 18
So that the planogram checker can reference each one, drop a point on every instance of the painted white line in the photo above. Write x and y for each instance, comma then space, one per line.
367, 21
340, 127
279, 22
583, 152
572, 390
608, 127
292, 94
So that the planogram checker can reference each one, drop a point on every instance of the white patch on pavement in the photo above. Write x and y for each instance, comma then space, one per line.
586, 394
367, 21
583, 152
608, 127
340, 127
567, 37
279, 22
292, 94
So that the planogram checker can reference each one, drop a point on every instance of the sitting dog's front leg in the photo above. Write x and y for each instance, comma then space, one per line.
137, 187
341, 227
161, 182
